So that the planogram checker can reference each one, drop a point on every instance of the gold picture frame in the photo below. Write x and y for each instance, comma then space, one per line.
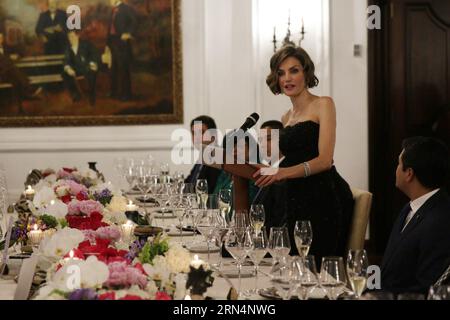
167, 107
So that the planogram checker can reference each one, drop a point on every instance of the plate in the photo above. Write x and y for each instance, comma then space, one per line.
148, 200
202, 249
132, 192
176, 233
233, 273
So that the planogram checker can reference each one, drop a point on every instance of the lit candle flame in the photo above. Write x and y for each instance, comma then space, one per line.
35, 227
52, 202
71, 254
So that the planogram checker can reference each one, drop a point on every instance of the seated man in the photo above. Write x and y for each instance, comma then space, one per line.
80, 59
10, 73
419, 246
201, 171
271, 197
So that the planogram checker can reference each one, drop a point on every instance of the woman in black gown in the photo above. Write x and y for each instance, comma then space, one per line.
314, 189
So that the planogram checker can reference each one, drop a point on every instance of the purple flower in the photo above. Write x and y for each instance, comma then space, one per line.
83, 294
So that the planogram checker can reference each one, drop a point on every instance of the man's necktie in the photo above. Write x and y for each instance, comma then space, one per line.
405, 217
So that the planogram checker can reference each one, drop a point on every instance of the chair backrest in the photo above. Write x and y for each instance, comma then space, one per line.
360, 220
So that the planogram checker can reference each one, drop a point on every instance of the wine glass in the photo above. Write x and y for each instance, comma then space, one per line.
332, 276
240, 219
260, 248
205, 224
357, 264
303, 237
130, 175
180, 205
257, 216
225, 200
238, 243
201, 188
164, 169
189, 188
308, 278
285, 279
279, 243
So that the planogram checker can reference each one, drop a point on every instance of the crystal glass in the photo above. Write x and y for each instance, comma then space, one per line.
260, 248
212, 202
357, 264
332, 276
279, 243
164, 170
284, 279
303, 236
201, 189
238, 243
308, 277
130, 175
257, 216
206, 220
189, 188
240, 219
225, 201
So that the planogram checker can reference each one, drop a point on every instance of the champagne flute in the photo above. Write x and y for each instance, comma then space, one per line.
303, 236
257, 216
260, 248
225, 199
201, 188
332, 276
357, 264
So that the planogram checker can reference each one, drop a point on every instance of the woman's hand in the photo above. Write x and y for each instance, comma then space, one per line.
268, 176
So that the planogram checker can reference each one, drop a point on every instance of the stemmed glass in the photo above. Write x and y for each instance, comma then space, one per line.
238, 243
332, 276
279, 246
130, 175
201, 188
441, 292
240, 219
165, 172
180, 205
357, 264
257, 216
205, 224
259, 250
308, 277
225, 200
303, 236
285, 279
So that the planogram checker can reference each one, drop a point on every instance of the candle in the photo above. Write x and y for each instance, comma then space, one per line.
35, 235
196, 263
127, 230
131, 207
29, 193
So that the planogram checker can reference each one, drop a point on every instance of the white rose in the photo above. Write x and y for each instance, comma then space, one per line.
47, 293
61, 242
117, 204
61, 191
178, 259
93, 273
58, 209
43, 197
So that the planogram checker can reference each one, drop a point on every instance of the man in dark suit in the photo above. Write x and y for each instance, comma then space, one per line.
81, 59
120, 32
10, 73
201, 171
271, 197
419, 246
52, 28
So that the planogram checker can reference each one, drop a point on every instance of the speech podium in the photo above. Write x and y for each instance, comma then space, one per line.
241, 174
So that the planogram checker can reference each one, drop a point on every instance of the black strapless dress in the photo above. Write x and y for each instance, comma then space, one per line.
325, 198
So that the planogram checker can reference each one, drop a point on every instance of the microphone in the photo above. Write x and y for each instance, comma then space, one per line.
250, 122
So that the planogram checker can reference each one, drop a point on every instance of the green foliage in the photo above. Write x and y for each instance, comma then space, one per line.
63, 222
153, 249
49, 221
